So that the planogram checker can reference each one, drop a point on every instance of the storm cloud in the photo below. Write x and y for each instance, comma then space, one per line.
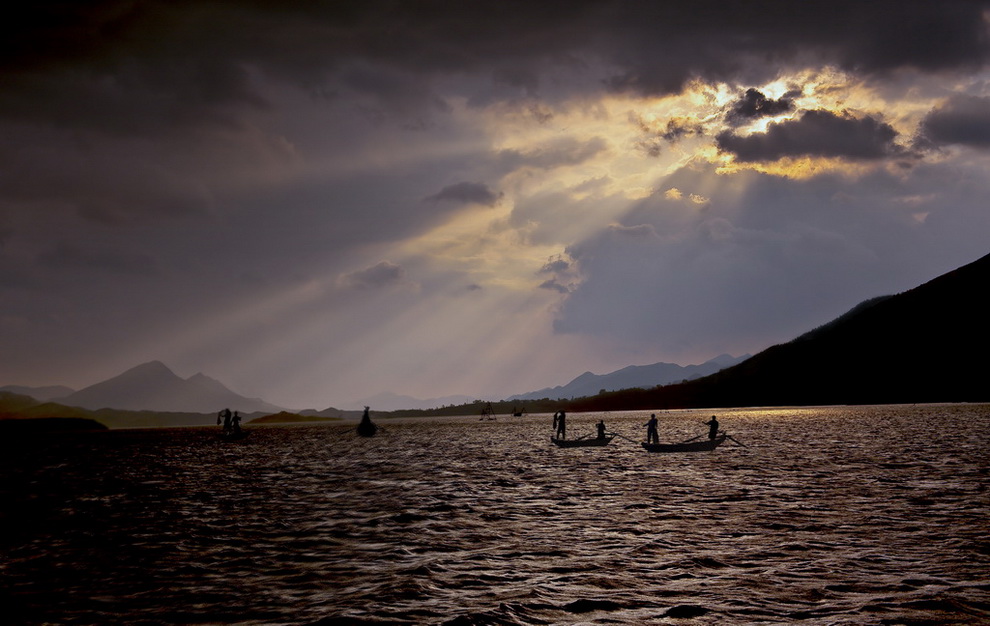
814, 133
962, 120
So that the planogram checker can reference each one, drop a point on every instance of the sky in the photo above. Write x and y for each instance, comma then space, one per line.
314, 202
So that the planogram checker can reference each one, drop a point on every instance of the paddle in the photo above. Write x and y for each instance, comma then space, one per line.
622, 437
734, 440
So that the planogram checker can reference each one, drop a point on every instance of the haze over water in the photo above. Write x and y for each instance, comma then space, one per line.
837, 515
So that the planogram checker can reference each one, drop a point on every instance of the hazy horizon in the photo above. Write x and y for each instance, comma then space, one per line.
381, 401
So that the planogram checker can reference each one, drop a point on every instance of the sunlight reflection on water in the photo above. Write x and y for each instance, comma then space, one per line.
857, 515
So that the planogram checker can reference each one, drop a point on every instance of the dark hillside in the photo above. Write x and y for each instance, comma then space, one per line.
924, 345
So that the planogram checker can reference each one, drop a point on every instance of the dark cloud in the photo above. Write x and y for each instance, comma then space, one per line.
816, 134
639, 231
673, 131
555, 265
665, 45
754, 105
382, 274
963, 120
879, 37
466, 193
134, 67
552, 284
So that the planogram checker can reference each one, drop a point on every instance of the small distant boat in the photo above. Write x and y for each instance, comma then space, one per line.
686, 446
581, 443
367, 428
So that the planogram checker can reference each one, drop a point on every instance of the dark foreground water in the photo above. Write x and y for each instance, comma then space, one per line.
869, 515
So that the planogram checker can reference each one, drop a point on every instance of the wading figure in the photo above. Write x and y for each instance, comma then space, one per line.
652, 436
712, 427
226, 415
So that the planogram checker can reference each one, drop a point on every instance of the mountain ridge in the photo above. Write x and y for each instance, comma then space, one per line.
152, 386
913, 347
631, 376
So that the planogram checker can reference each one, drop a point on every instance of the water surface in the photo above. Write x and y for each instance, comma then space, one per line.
846, 515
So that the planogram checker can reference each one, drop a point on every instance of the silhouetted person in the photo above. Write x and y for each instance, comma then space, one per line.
367, 428
226, 420
236, 421
601, 429
652, 436
561, 421
712, 427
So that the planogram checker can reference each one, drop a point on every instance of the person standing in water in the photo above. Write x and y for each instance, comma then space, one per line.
652, 436
226, 414
712, 427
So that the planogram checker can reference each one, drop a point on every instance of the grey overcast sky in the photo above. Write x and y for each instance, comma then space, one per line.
317, 201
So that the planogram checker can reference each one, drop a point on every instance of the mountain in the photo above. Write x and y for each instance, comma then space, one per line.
923, 345
39, 393
154, 387
634, 376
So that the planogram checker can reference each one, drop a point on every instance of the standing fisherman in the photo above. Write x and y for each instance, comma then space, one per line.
560, 423
652, 436
712, 427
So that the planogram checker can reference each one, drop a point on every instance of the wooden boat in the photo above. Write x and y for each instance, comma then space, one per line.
367, 428
584, 442
234, 435
686, 446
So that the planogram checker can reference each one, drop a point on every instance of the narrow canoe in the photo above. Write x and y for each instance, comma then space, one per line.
686, 446
580, 443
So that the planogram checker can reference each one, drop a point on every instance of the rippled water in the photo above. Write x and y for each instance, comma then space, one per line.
866, 515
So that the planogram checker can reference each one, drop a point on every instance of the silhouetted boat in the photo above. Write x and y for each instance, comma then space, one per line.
234, 435
580, 443
686, 446
367, 429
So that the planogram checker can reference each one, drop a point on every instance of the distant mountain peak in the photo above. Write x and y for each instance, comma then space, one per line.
153, 386
150, 366
632, 376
